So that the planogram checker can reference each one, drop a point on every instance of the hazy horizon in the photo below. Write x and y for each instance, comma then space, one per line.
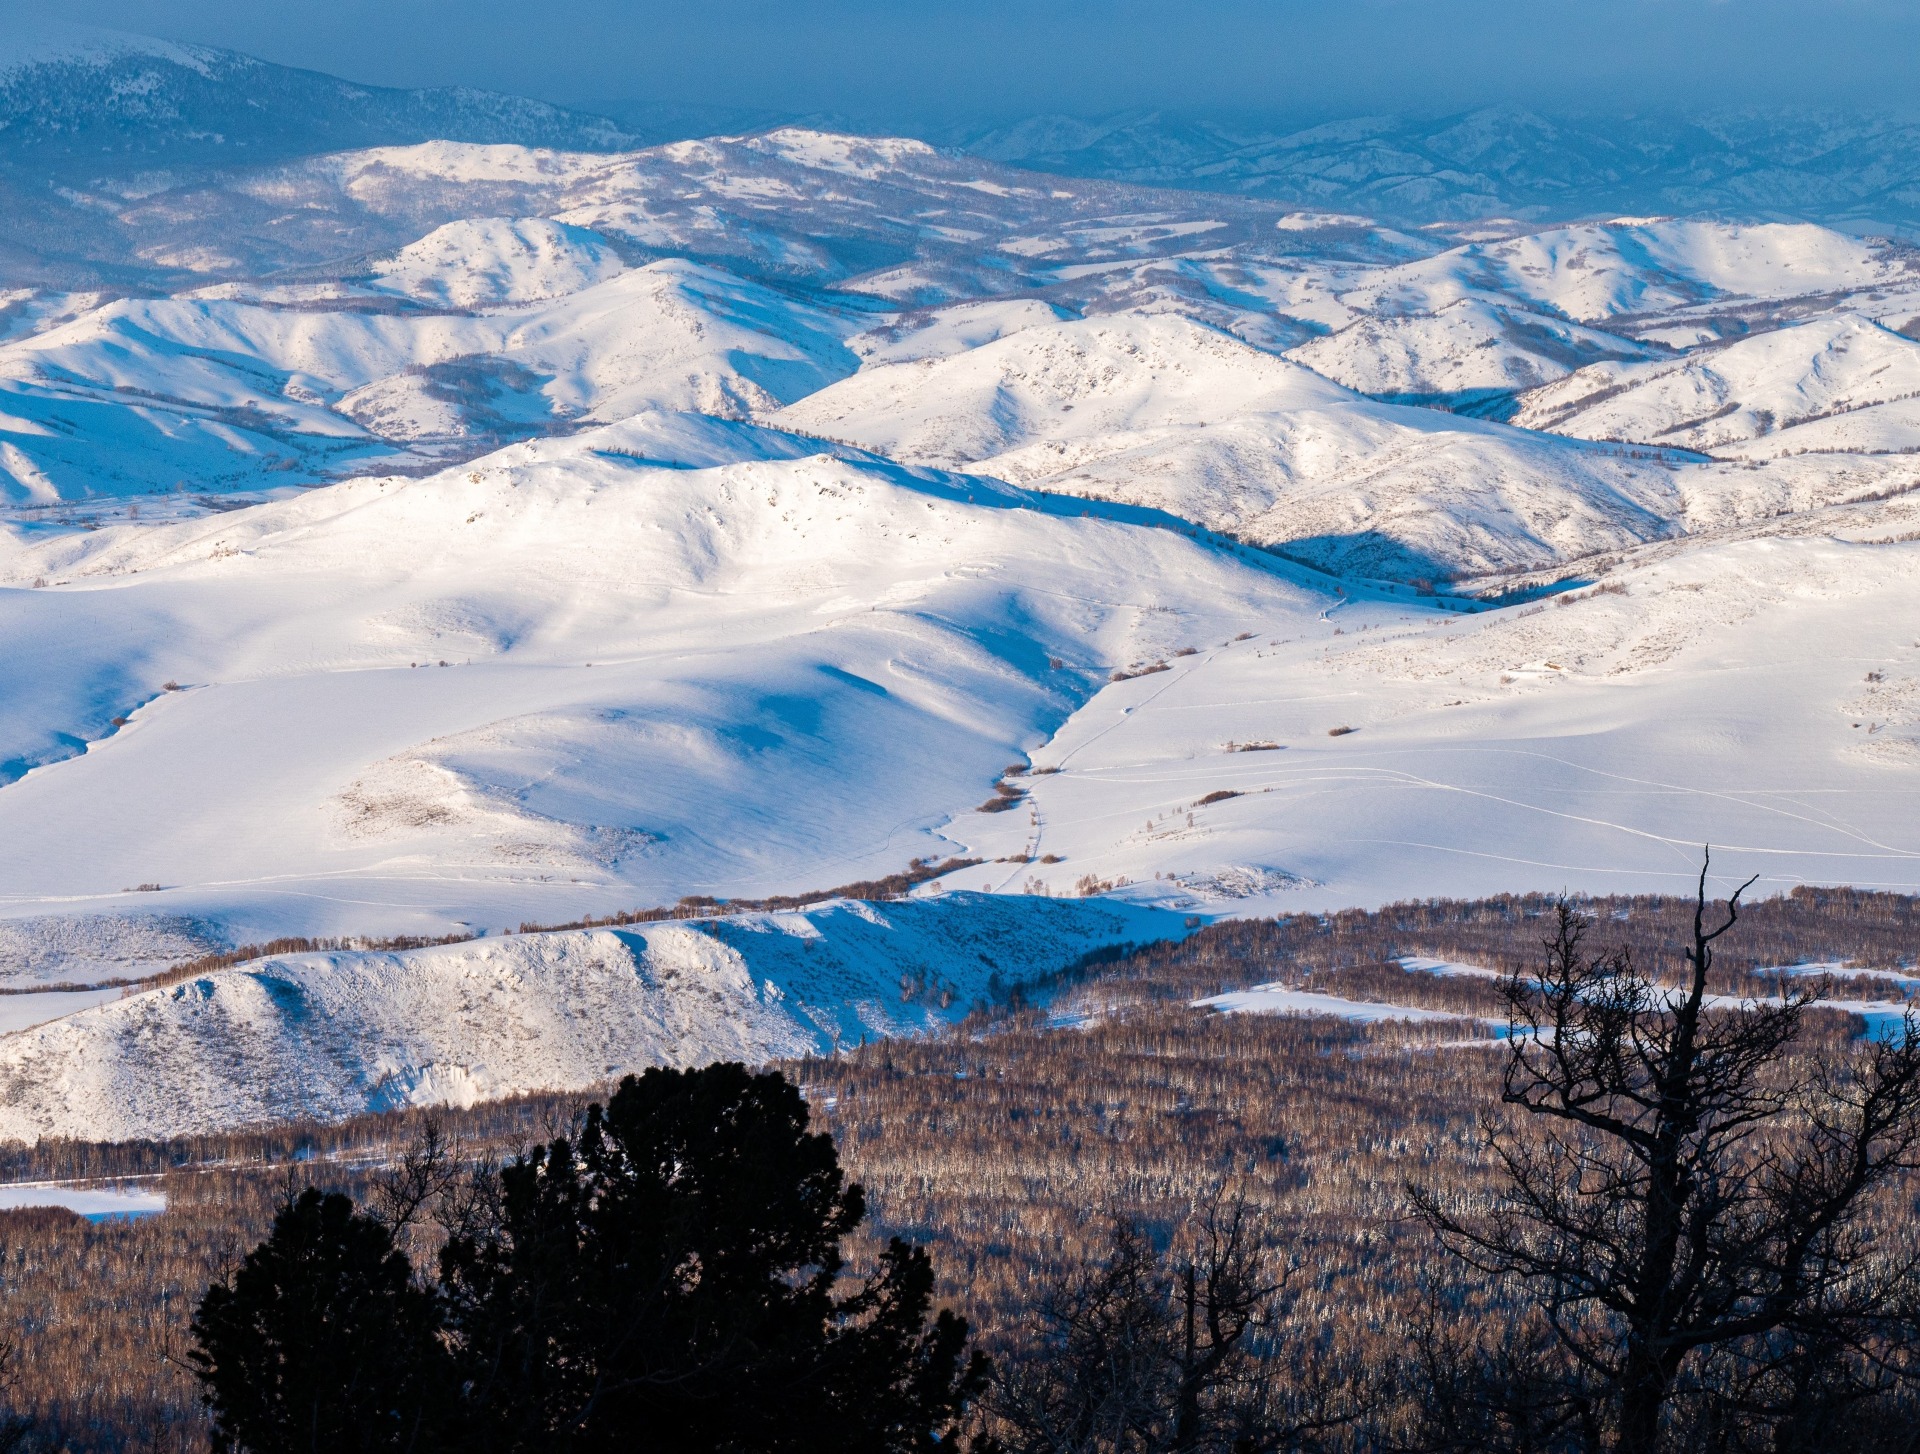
931, 64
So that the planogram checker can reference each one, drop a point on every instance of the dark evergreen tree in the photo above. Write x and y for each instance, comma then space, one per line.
669, 1280
322, 1341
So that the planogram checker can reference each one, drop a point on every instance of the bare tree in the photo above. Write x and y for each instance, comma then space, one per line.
16, 1429
1145, 1354
1685, 1187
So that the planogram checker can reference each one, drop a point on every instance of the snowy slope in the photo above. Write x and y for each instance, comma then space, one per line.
1162, 412
1598, 271
1761, 694
728, 517
536, 241
1112, 374
1775, 384
332, 1035
1506, 162
1468, 352
564, 678
887, 216
144, 394
893, 218
492, 261
923, 333
78, 99
28, 45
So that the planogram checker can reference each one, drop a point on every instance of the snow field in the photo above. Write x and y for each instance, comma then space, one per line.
1727, 696
758, 678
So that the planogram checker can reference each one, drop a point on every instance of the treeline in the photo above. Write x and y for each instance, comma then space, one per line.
1843, 927
299, 944
704, 906
1130, 1172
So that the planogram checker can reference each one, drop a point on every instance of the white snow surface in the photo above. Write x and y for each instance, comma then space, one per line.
1753, 694
1597, 271
39, 42
1465, 348
941, 332
1797, 389
95, 1203
156, 394
1163, 412
493, 261
566, 676
1277, 999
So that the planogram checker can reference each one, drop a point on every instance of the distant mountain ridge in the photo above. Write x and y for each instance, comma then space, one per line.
1860, 170
80, 106
79, 102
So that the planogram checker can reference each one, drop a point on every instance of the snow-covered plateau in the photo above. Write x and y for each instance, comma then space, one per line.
516, 536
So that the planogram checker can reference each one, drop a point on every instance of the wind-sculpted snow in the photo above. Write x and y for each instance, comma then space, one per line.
333, 1035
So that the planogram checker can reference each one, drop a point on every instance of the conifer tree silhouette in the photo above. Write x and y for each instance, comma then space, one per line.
669, 1279
322, 1340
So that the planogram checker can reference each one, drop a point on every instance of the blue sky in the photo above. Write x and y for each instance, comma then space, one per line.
928, 60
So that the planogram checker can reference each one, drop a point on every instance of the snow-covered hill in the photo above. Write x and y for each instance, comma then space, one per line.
1469, 354
488, 262
150, 394
1633, 268
1830, 166
82, 102
1840, 382
1758, 692
1159, 411
332, 1035
564, 678
893, 217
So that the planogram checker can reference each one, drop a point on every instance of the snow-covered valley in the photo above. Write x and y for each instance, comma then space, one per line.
528, 535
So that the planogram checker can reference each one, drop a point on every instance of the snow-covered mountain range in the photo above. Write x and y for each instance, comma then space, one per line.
435, 538
79, 101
